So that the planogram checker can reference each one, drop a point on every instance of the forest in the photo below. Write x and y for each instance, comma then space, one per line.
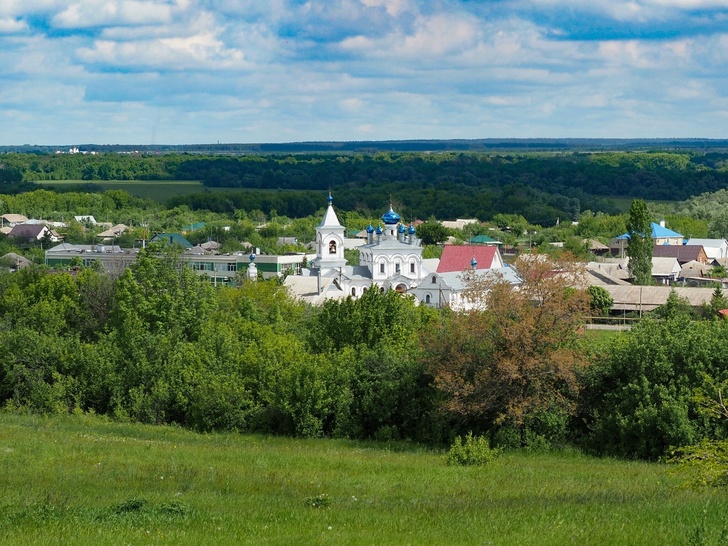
544, 188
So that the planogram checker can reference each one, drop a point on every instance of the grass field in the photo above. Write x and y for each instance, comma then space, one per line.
156, 190
85, 480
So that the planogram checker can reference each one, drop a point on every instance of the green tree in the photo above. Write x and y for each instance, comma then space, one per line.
639, 250
601, 301
432, 233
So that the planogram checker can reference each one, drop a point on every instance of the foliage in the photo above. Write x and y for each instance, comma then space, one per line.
639, 250
472, 450
432, 233
638, 398
517, 357
601, 301
706, 462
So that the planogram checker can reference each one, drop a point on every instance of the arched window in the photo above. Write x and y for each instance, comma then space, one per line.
428, 298
381, 267
396, 267
353, 291
434, 279
412, 266
332, 247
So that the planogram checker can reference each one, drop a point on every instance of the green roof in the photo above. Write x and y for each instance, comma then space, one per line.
193, 227
171, 238
484, 240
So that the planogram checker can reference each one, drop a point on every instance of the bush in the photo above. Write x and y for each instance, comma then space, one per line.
475, 450
706, 462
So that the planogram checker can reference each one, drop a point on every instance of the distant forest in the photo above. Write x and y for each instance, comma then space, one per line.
541, 186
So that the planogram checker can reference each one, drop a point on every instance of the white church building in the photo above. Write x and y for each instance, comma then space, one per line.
391, 259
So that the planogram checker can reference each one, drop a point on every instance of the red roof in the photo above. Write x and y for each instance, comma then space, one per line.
458, 257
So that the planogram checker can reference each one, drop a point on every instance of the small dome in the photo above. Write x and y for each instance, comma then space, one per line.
390, 217
370, 228
401, 229
252, 257
473, 263
330, 199
379, 230
411, 230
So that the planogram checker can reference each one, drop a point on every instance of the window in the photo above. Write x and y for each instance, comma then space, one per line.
396, 267
412, 267
381, 267
434, 279
427, 298
353, 291
332, 247
232, 266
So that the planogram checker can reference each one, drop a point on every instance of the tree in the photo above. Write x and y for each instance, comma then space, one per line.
432, 233
639, 251
514, 362
601, 300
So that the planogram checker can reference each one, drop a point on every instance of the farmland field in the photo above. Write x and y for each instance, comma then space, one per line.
156, 190
87, 480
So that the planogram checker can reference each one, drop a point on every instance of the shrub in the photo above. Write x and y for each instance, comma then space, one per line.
474, 450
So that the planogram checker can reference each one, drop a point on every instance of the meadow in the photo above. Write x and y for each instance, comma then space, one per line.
88, 480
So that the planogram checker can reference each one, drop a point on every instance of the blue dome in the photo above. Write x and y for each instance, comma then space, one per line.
370, 229
330, 199
252, 257
379, 230
401, 229
411, 230
390, 217
473, 263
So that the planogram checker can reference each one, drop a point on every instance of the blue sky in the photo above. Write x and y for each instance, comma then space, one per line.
203, 71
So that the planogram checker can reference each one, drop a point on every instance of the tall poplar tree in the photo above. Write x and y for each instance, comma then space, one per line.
639, 251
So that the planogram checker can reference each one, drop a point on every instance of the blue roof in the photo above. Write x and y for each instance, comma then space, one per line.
390, 217
657, 232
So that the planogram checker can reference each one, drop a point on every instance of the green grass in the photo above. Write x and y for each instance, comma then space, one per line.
86, 480
157, 190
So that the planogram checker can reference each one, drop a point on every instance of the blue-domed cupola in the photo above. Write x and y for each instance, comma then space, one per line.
474, 264
370, 234
401, 231
390, 217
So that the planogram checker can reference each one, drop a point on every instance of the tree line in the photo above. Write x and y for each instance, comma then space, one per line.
544, 188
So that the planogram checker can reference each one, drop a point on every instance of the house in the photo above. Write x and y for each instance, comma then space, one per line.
460, 223
459, 258
715, 249
682, 253
665, 270
112, 258
630, 298
14, 261
171, 239
10, 220
87, 219
660, 236
484, 240
113, 232
33, 232
613, 272
449, 289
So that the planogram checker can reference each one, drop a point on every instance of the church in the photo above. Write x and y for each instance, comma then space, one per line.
391, 259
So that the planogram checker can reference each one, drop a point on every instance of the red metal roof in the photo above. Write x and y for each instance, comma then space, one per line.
458, 257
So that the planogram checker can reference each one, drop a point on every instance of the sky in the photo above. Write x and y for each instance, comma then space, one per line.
149, 72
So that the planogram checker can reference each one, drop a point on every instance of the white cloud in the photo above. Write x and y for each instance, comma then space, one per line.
200, 52
10, 25
93, 13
